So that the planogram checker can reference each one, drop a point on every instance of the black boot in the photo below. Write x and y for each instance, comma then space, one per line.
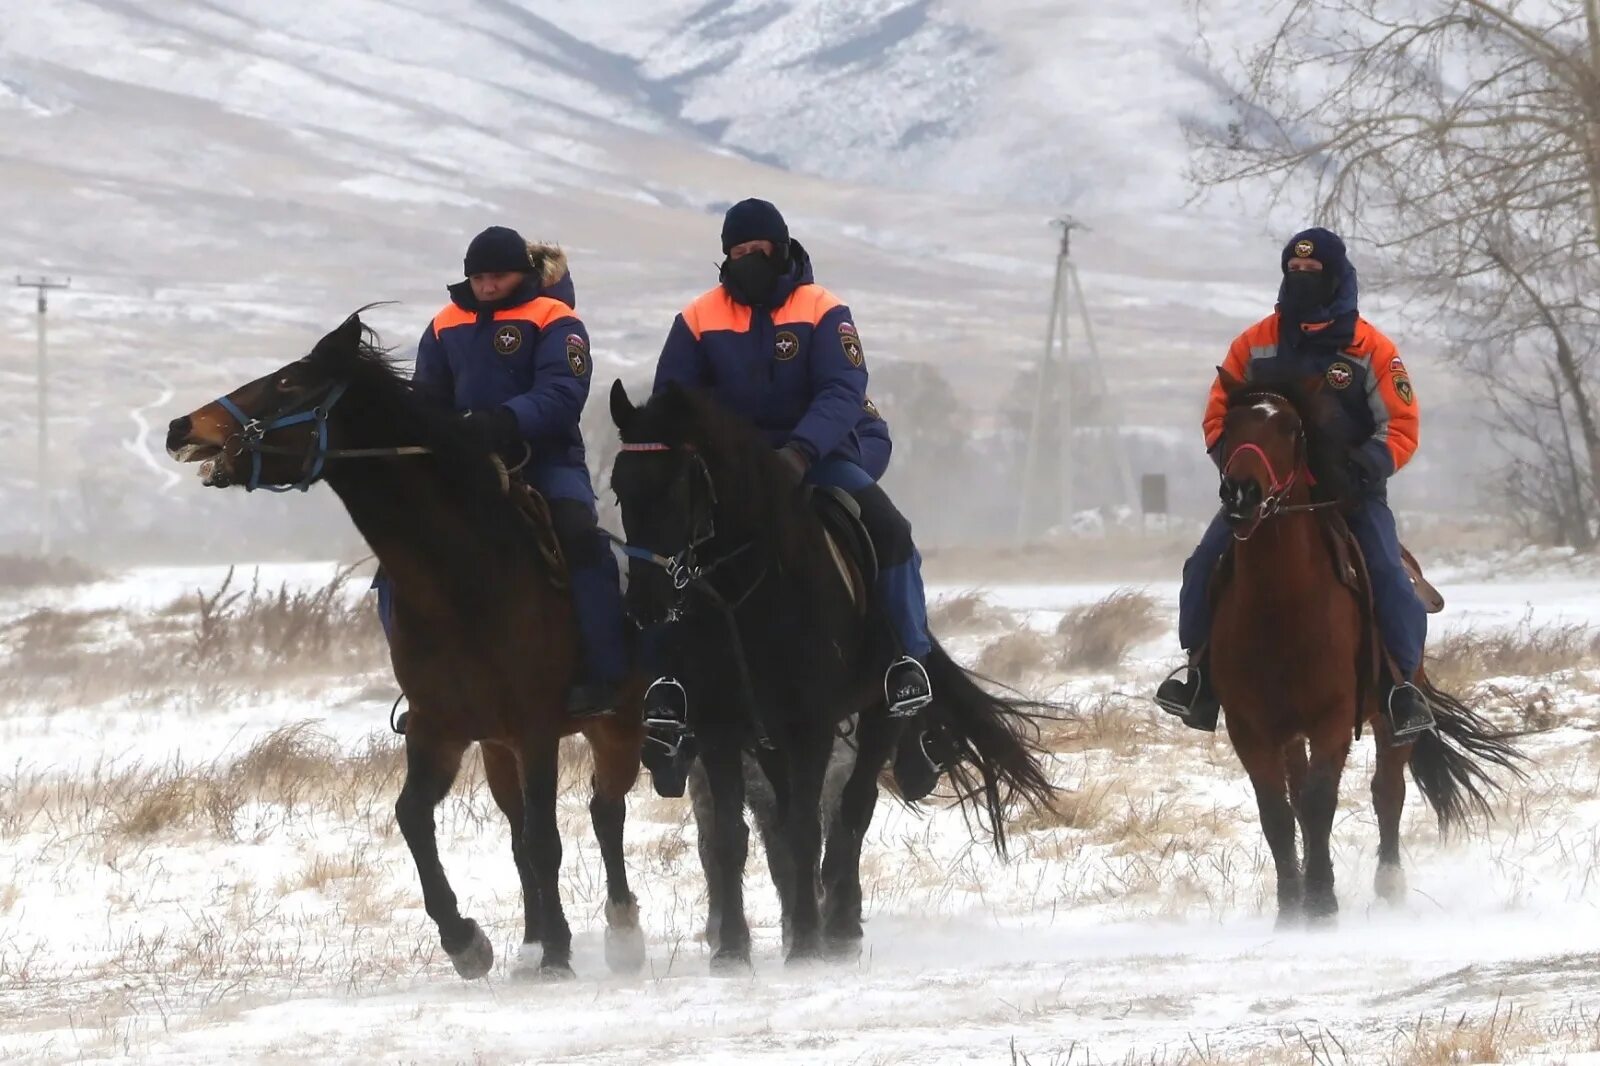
1191, 700
906, 687
1409, 713
669, 746
922, 757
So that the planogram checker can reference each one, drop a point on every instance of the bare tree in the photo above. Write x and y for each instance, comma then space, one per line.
1463, 138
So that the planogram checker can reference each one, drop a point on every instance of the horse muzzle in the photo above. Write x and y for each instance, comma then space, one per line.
186, 445
1241, 500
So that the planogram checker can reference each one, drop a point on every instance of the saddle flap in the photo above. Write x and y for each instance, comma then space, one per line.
848, 542
1431, 600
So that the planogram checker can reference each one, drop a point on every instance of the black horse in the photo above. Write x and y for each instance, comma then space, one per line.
775, 652
483, 638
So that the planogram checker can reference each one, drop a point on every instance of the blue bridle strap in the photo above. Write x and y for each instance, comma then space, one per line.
253, 432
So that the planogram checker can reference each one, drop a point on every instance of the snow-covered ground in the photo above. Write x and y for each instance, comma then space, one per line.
172, 891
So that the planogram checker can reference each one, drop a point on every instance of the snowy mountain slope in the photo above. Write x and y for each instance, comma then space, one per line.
225, 180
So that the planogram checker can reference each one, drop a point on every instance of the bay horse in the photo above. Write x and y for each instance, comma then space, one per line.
1295, 664
726, 552
483, 641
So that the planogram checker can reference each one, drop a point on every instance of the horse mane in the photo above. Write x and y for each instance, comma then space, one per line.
390, 410
1326, 445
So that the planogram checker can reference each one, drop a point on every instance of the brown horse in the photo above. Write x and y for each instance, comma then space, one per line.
1294, 665
482, 638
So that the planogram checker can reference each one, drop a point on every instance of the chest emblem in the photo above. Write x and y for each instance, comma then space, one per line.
1340, 375
508, 338
786, 347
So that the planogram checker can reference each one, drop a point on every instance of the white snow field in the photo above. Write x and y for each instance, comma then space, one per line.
207, 870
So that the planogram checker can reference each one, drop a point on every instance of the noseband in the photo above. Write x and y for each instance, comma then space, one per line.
685, 568
252, 434
1274, 502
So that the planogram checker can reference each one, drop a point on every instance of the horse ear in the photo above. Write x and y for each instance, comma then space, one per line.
622, 408
1230, 384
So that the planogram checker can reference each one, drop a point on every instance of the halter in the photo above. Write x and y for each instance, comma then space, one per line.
1278, 491
253, 432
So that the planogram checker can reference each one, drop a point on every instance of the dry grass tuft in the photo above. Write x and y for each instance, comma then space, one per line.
1467, 657
1016, 656
1104, 722
1082, 808
1100, 635
19, 571
967, 612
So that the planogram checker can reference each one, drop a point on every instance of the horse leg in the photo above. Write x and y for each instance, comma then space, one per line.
431, 767
616, 767
1389, 800
705, 832
877, 736
802, 830
730, 845
767, 810
542, 838
1295, 765
505, 785
1318, 800
1268, 772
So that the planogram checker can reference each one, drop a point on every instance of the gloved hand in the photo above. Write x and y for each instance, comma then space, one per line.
497, 424
795, 463
1359, 466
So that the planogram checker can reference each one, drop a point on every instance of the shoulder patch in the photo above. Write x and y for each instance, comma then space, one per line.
1340, 375
1402, 386
871, 408
577, 354
508, 338
850, 341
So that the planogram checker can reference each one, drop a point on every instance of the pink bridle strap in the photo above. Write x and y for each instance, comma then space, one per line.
647, 447
1278, 486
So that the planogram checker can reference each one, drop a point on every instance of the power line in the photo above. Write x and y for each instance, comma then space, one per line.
42, 286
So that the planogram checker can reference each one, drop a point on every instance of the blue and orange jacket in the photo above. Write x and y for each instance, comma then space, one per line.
797, 370
529, 352
1371, 383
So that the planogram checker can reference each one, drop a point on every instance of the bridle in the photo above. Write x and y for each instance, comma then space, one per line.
252, 433
1274, 502
685, 568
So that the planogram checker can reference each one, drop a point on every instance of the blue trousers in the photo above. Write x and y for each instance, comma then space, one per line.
1402, 619
899, 563
592, 571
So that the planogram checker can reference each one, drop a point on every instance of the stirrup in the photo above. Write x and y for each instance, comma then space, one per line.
1400, 737
908, 705
1181, 710
668, 730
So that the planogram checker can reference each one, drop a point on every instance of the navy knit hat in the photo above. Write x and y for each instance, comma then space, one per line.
497, 250
754, 220
1325, 246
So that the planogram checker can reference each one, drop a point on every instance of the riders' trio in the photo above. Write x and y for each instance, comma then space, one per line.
510, 354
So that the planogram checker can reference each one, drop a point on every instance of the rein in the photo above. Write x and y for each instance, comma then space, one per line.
252, 433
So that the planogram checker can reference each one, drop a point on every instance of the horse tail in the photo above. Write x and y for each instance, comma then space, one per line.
1454, 766
996, 737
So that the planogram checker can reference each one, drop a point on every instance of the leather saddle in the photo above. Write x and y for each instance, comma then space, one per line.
853, 554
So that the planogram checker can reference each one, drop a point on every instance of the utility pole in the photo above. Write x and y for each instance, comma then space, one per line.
1057, 370
43, 286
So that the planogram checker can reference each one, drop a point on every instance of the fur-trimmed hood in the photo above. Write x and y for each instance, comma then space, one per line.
548, 275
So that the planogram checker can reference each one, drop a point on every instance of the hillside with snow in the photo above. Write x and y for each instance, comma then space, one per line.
225, 181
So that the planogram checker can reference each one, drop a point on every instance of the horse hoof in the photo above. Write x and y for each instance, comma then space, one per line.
1390, 884
476, 959
526, 965
842, 949
731, 963
555, 971
624, 939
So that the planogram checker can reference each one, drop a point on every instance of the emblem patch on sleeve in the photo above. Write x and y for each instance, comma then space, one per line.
1340, 375
871, 408
786, 346
577, 354
508, 338
850, 341
1402, 385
